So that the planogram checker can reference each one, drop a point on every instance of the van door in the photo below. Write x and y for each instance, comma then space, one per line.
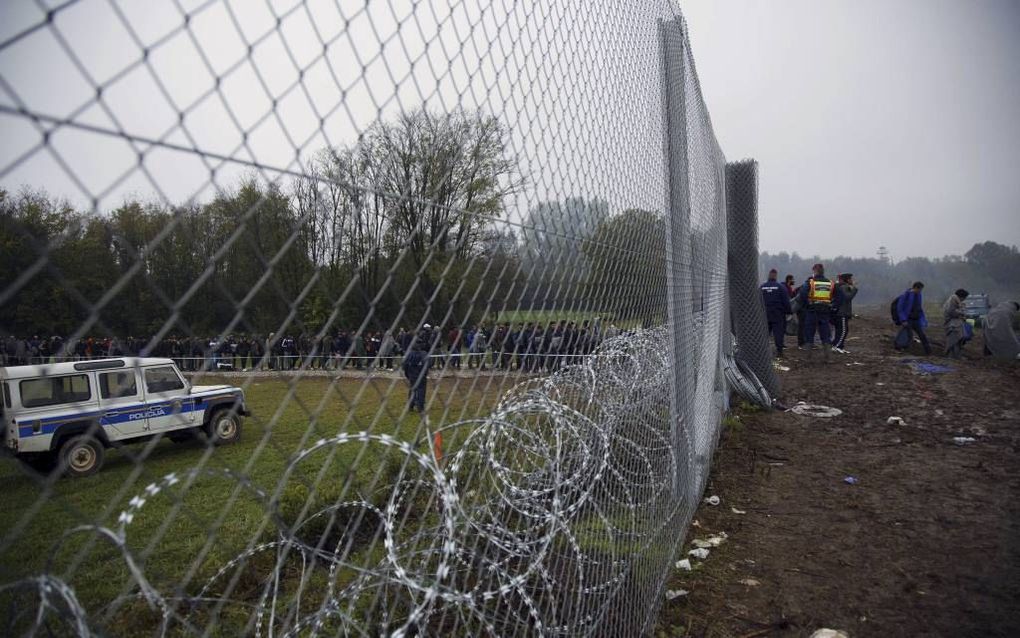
123, 408
169, 407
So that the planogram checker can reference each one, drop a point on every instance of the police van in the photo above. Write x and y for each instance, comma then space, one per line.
71, 412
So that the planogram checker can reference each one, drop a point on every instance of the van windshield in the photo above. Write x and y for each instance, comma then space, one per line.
36, 393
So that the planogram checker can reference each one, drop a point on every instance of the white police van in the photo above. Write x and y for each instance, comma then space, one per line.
71, 412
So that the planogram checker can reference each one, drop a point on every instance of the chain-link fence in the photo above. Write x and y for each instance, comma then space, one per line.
358, 318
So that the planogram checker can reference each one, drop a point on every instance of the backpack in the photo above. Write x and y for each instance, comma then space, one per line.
894, 310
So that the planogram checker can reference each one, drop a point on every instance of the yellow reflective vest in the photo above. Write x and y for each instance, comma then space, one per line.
820, 291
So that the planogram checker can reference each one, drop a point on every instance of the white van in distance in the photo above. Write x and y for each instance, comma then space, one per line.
71, 412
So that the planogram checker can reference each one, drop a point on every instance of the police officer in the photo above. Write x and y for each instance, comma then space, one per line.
818, 295
416, 369
776, 298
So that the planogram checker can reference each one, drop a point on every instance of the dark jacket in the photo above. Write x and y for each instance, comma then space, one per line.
847, 292
910, 307
776, 299
416, 365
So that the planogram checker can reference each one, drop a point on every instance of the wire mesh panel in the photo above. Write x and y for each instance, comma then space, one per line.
749, 324
344, 318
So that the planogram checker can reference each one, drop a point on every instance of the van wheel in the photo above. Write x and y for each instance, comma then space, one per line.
224, 427
81, 456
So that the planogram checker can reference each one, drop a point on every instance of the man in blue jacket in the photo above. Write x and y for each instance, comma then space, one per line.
910, 313
776, 298
416, 369
818, 296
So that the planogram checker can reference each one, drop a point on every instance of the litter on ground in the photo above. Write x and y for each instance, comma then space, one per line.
711, 541
700, 553
736, 511
963, 440
675, 593
807, 409
895, 420
750, 582
923, 367
713, 500
829, 633
850, 480
684, 564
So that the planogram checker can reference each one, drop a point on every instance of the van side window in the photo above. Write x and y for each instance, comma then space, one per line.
162, 379
7, 396
36, 393
114, 385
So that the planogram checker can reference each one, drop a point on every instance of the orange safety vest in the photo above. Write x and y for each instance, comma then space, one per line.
820, 292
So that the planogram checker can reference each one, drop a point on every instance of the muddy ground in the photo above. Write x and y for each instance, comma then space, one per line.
925, 543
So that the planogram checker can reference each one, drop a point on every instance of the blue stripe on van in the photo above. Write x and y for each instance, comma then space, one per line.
125, 413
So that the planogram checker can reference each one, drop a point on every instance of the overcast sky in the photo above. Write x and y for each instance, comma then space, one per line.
273, 82
892, 122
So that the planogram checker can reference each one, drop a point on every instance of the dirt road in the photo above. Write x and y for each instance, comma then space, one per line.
924, 542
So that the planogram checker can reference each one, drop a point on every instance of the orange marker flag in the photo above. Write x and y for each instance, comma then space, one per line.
437, 446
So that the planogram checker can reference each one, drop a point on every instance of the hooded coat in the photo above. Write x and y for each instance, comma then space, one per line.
847, 292
952, 321
1000, 339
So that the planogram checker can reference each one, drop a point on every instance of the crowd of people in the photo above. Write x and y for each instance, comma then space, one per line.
822, 307
818, 306
528, 346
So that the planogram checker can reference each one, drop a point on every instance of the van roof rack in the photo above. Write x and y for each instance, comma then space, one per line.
99, 365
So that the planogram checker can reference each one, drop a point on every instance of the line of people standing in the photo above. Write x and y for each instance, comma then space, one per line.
530, 346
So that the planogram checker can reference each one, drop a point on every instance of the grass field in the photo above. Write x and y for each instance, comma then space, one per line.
181, 536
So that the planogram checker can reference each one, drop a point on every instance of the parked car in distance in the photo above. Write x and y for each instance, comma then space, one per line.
72, 412
976, 307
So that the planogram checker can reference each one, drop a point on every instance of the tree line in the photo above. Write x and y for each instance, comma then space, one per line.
408, 223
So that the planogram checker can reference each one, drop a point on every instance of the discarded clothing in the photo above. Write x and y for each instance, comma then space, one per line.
927, 368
